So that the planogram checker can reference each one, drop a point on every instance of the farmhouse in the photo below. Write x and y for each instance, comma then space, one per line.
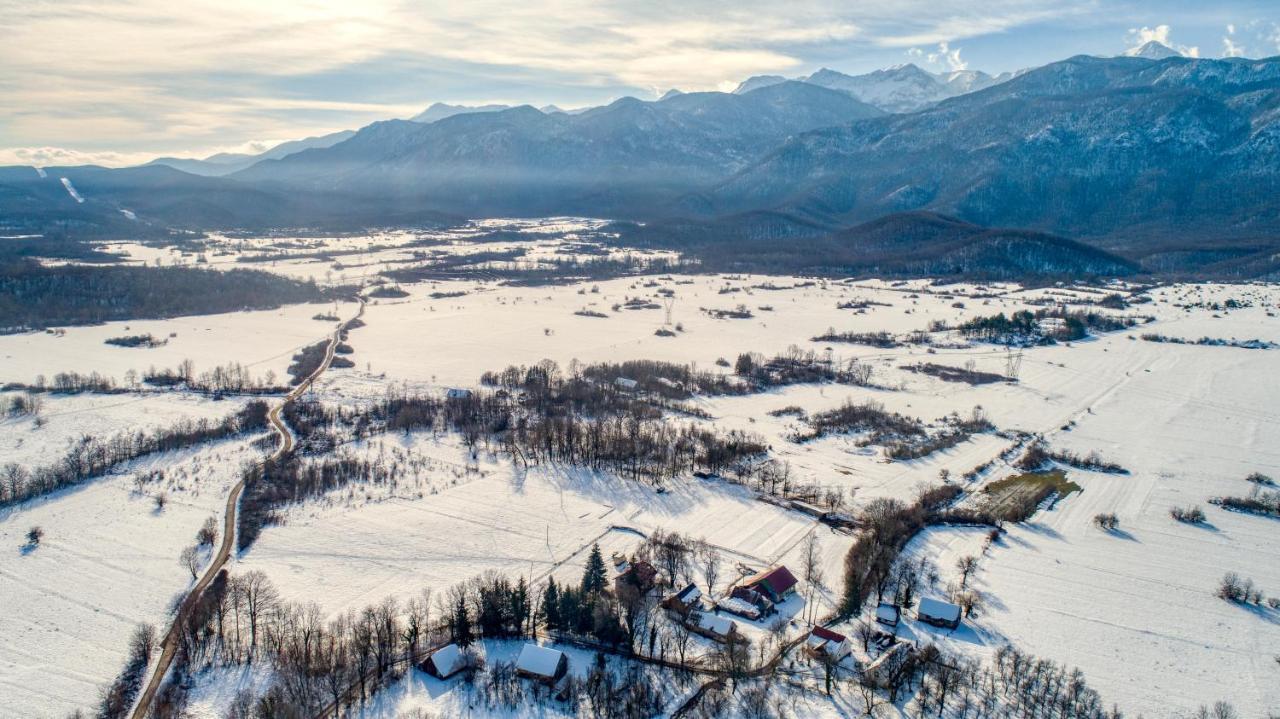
938, 613
444, 662
542, 664
827, 645
712, 626
888, 614
624, 383
636, 577
776, 583
456, 393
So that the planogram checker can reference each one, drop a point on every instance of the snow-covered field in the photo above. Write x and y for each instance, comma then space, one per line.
1133, 608
263, 341
108, 562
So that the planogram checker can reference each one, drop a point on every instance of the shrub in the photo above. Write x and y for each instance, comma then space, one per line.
1190, 515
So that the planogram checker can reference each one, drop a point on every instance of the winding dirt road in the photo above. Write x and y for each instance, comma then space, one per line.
169, 643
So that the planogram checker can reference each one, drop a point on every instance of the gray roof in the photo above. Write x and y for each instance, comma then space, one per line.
939, 609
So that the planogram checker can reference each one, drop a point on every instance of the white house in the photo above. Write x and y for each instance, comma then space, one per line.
938, 613
828, 645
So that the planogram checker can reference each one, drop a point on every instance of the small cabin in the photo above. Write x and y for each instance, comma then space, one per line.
827, 645
542, 664
458, 393
684, 600
444, 662
938, 613
888, 614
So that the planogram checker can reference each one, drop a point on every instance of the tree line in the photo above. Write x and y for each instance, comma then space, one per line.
94, 456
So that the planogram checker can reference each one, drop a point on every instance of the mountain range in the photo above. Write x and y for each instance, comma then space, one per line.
1161, 159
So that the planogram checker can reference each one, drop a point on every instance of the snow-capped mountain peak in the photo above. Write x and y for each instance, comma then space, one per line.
1153, 50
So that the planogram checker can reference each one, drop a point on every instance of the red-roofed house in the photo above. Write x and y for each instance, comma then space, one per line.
828, 645
776, 583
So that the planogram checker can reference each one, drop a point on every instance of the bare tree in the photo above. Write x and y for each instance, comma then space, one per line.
190, 558
966, 565
160, 499
812, 566
34, 535
709, 560
208, 533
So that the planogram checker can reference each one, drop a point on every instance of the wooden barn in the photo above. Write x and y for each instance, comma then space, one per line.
542, 664
938, 613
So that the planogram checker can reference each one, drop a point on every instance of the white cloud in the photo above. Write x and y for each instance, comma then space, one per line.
947, 57
197, 72
1230, 48
1137, 37
58, 156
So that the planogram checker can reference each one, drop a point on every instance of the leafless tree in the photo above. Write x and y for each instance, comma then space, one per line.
966, 565
709, 560
190, 558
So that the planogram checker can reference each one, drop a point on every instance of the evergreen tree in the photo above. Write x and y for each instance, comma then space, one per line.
462, 624
594, 576
520, 606
551, 606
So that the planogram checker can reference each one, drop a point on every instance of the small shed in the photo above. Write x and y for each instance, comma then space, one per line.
827, 645
685, 599
445, 662
542, 664
888, 614
938, 613
741, 607
458, 393
812, 510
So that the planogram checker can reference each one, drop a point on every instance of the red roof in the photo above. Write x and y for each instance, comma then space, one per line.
779, 579
827, 634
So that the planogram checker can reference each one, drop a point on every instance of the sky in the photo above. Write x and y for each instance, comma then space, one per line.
118, 82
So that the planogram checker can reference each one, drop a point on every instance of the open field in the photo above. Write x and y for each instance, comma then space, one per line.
1133, 607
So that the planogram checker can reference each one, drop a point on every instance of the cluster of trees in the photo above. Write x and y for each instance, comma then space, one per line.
231, 377
1190, 515
1014, 683
1242, 590
36, 295
969, 374
797, 366
1026, 327
888, 524
1107, 521
959, 429
147, 340
284, 480
325, 665
93, 456
307, 361
882, 339
868, 416
1266, 503
117, 699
